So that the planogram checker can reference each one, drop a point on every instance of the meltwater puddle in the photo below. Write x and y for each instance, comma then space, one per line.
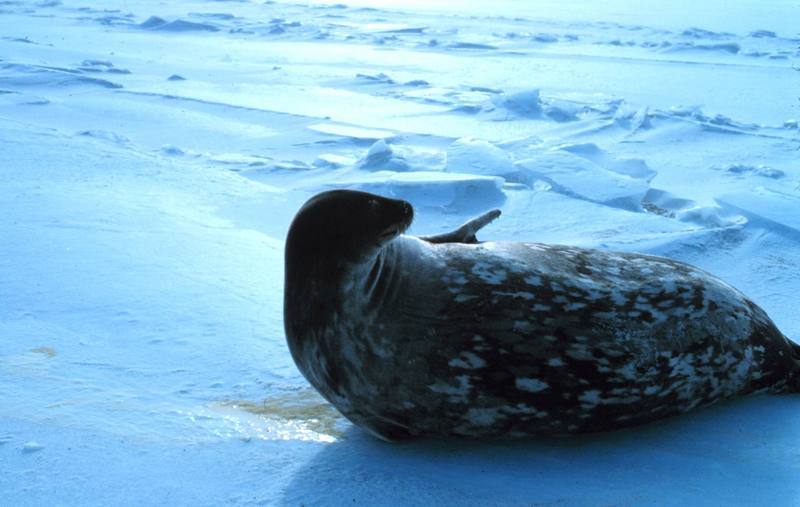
301, 415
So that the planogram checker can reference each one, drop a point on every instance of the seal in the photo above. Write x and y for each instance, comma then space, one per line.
448, 336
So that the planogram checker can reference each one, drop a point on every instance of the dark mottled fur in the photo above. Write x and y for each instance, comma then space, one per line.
409, 337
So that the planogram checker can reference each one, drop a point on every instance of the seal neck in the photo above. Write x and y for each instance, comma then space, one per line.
379, 278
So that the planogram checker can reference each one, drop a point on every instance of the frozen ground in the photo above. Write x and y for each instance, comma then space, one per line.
153, 153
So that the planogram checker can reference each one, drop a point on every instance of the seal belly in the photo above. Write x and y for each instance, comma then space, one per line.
513, 339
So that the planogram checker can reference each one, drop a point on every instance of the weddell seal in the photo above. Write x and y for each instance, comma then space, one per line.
447, 336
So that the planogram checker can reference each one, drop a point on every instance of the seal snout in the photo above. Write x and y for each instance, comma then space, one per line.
400, 214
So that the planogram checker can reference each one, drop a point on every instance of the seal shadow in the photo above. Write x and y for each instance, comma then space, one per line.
744, 452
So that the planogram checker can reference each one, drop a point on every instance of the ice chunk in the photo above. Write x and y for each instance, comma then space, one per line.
526, 103
352, 132
577, 176
178, 25
381, 156
475, 156
31, 447
633, 167
452, 191
333, 161
771, 209
757, 170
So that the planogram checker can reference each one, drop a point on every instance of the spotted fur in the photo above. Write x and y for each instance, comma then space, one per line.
519, 339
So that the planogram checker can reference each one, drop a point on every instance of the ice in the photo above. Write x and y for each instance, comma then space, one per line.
469, 45
576, 176
177, 25
351, 131
452, 192
153, 154
633, 167
30, 447
757, 170
524, 103
382, 156
775, 210
30, 76
476, 156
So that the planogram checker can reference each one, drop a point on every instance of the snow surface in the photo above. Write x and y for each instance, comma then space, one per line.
153, 153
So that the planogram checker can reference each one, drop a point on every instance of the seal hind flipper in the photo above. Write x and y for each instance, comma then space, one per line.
466, 233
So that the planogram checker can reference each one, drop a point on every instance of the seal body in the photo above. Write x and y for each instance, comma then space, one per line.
407, 337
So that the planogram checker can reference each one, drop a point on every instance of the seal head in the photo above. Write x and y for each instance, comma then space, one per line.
342, 227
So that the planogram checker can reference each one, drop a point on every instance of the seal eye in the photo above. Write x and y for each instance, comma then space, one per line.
373, 205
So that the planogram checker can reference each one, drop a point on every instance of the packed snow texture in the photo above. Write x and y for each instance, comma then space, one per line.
153, 154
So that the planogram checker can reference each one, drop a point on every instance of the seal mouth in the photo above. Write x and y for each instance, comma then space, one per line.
394, 230
391, 232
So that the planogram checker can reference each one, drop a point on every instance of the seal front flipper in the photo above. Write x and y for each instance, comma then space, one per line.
465, 233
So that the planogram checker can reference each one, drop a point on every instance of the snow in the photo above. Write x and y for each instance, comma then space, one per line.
152, 155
